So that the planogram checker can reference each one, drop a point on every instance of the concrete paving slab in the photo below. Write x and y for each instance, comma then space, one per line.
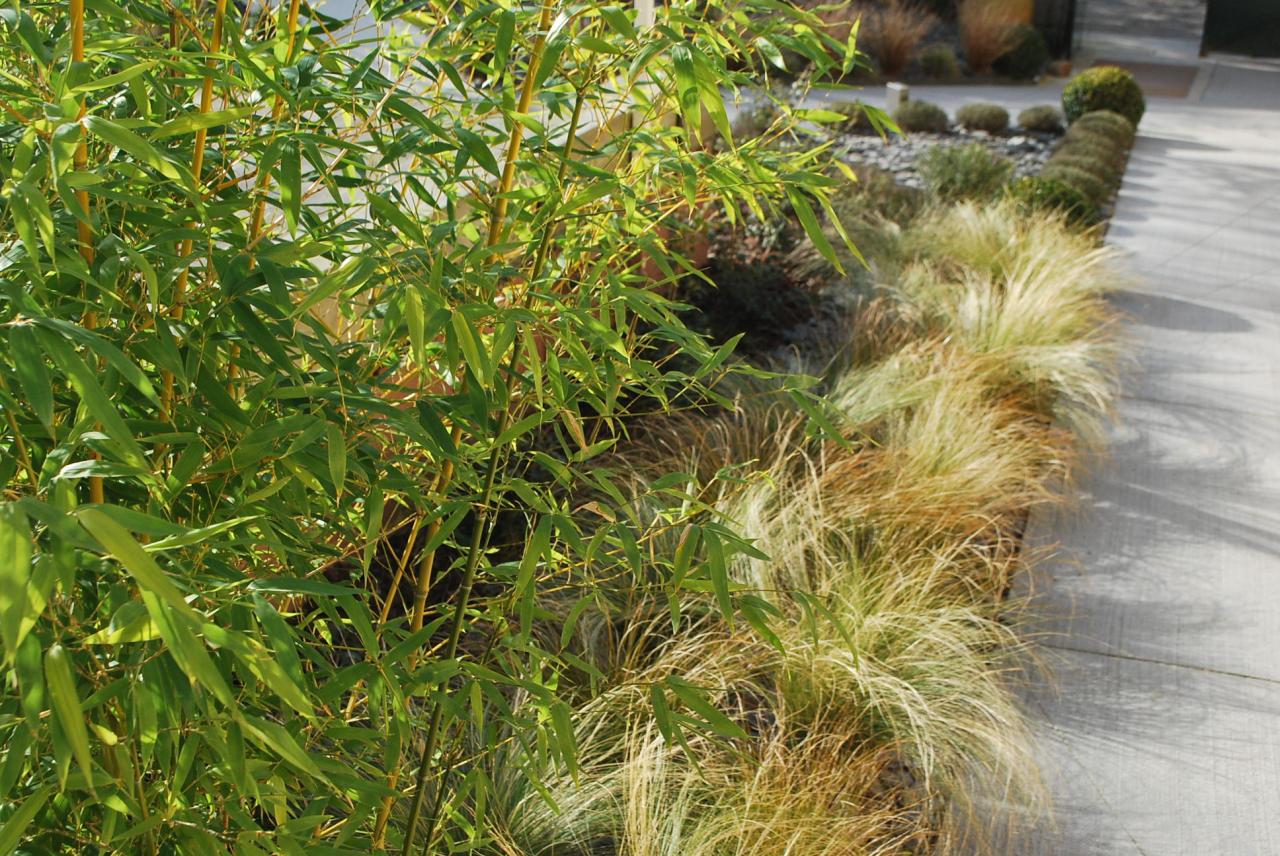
1156, 760
1162, 736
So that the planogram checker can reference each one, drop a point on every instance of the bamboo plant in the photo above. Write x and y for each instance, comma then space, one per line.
313, 328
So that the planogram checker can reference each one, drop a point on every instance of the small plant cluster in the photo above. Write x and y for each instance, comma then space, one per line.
970, 171
921, 117
1092, 155
1044, 119
991, 118
1104, 88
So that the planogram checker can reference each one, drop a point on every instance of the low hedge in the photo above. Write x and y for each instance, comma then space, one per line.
1086, 182
1038, 193
1105, 123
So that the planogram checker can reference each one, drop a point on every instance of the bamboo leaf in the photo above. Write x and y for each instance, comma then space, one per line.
126, 140
15, 574
117, 541
33, 375
16, 825
66, 707
290, 179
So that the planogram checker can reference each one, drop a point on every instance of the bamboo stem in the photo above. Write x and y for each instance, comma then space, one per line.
426, 566
178, 309
83, 232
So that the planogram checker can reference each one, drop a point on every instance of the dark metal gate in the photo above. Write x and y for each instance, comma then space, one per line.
1250, 27
1055, 19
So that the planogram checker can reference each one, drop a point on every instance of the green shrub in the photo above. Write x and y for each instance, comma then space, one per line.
1045, 119
964, 172
1086, 182
1026, 58
1100, 167
991, 118
1038, 193
1106, 87
921, 117
939, 63
1105, 123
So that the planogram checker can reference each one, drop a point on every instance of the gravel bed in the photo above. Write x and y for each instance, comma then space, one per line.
898, 154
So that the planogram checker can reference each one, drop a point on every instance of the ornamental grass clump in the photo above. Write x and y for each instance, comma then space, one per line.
891, 32
988, 31
877, 713
970, 171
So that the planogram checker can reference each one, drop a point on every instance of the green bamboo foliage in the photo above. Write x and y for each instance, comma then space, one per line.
313, 329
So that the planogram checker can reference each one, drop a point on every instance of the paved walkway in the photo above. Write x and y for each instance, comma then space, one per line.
1163, 735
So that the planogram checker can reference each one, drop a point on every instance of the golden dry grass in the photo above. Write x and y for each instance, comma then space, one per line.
885, 721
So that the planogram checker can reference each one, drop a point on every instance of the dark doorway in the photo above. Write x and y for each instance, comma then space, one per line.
1249, 27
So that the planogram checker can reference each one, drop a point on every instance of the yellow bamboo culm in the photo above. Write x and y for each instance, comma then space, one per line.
277, 110
197, 167
83, 231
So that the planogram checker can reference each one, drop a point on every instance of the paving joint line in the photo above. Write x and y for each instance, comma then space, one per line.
1155, 662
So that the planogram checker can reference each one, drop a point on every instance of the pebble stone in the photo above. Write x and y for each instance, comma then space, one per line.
898, 155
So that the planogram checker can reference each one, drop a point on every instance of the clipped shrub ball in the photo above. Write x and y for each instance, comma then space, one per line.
1045, 119
1037, 193
964, 172
939, 63
991, 118
1086, 182
1105, 87
921, 117
1105, 123
1028, 56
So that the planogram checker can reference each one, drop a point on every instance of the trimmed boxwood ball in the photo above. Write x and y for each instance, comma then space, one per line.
991, 118
1045, 119
939, 63
1106, 87
1086, 182
1112, 125
921, 117
1038, 193
1026, 58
